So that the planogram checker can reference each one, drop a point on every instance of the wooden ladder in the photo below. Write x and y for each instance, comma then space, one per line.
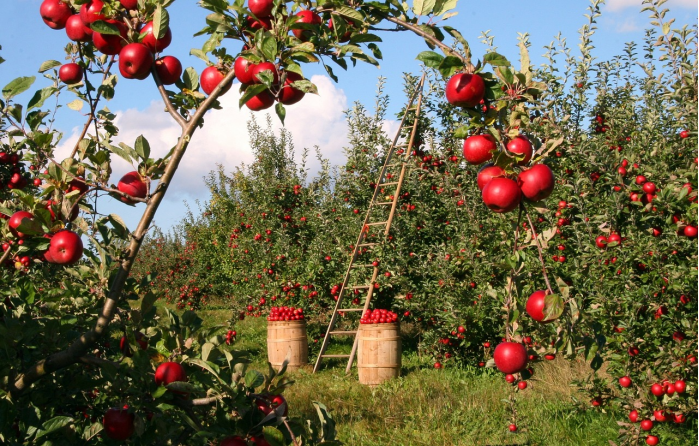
404, 151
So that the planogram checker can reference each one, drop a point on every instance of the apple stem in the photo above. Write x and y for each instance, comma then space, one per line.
538, 247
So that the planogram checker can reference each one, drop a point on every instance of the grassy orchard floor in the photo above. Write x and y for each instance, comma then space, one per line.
441, 407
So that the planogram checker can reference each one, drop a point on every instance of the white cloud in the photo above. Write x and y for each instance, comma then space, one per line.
318, 120
617, 5
628, 25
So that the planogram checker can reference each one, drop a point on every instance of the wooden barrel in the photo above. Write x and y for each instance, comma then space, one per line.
287, 338
378, 353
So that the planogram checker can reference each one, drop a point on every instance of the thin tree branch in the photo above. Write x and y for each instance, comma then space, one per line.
168, 104
541, 255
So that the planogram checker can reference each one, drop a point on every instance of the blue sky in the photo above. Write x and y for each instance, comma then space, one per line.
27, 42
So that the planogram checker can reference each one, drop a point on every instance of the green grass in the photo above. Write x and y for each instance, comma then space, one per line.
444, 407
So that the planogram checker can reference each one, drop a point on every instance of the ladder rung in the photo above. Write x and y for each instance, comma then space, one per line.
342, 332
351, 309
377, 223
389, 184
334, 356
363, 266
366, 244
359, 287
384, 203
394, 165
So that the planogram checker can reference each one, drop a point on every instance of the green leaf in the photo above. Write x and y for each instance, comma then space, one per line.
121, 153
253, 379
553, 307
362, 38
119, 225
53, 425
142, 147
17, 86
160, 391
268, 46
47, 65
103, 27
348, 12
273, 436
190, 79
281, 111
200, 54
430, 59
40, 97
251, 91
161, 21
148, 302
76, 105
496, 60
30, 227
442, 6
462, 132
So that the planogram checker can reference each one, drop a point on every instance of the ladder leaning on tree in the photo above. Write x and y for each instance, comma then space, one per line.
403, 149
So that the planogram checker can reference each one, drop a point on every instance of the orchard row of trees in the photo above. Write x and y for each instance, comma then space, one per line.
615, 237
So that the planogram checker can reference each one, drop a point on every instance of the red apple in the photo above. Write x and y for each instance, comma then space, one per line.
307, 17
537, 183
118, 424
657, 390
487, 173
649, 188
614, 238
149, 40
690, 231
76, 29
640, 179
55, 13
679, 418
135, 61
263, 23
535, 307
169, 372
633, 416
465, 90
513, 428
91, 12
660, 416
126, 349
70, 73
522, 385
260, 101
66, 248
288, 94
233, 441
510, 357
169, 69
259, 441
132, 183
479, 148
601, 241
110, 44
243, 70
625, 381
680, 386
210, 78
15, 220
501, 195
652, 440
261, 8
646, 425
263, 66
521, 146
129, 4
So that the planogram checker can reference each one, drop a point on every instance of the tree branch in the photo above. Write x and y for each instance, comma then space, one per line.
541, 256
80, 346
